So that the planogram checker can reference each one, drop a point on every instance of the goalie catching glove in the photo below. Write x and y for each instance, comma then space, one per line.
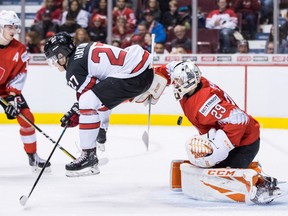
71, 118
12, 110
209, 149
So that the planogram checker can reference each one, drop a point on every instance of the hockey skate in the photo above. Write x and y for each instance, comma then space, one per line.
85, 165
266, 191
101, 139
36, 162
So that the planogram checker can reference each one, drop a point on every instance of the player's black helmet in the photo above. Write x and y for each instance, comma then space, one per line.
61, 44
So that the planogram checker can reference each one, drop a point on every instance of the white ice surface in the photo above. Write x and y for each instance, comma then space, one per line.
134, 182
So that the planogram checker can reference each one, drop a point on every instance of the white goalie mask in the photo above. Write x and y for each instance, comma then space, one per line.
185, 77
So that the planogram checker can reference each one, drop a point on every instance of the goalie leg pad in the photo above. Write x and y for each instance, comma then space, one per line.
175, 174
224, 184
220, 185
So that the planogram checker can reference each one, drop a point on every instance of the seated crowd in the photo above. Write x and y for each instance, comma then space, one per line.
134, 21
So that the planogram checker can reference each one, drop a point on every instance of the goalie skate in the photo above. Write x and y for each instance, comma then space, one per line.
266, 191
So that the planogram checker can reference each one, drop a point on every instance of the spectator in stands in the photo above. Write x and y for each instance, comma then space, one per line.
137, 39
121, 30
269, 47
154, 27
153, 6
116, 43
180, 49
56, 13
226, 20
81, 16
147, 45
100, 9
88, 5
141, 28
32, 42
171, 18
186, 16
42, 45
59, 4
160, 48
45, 27
181, 39
243, 47
249, 10
266, 12
98, 31
122, 10
81, 36
282, 30
70, 26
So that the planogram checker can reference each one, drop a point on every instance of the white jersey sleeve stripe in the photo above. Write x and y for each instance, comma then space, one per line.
87, 85
142, 62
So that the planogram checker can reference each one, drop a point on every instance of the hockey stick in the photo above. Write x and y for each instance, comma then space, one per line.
145, 136
38, 129
23, 199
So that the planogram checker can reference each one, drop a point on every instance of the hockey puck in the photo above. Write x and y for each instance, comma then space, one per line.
179, 121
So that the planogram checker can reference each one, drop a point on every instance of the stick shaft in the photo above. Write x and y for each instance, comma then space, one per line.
39, 130
42, 170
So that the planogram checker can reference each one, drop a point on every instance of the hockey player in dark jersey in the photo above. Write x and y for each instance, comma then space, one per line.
103, 77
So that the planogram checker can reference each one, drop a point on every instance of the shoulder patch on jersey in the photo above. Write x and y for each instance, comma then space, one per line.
209, 104
25, 56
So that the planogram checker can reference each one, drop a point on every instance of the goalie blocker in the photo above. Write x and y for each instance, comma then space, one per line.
224, 184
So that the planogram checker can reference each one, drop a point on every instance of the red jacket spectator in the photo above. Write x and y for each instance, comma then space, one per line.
246, 6
56, 13
122, 10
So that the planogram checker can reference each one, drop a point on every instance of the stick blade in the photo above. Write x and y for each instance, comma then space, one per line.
145, 139
23, 200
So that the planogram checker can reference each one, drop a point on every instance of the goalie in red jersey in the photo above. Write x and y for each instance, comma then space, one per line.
13, 73
228, 141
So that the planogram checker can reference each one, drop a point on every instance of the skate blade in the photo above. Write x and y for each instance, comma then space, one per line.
36, 169
84, 172
101, 147
276, 195
264, 200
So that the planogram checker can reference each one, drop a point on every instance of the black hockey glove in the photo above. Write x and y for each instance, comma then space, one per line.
12, 110
71, 118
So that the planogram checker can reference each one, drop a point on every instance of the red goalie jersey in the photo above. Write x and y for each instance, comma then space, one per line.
210, 107
13, 69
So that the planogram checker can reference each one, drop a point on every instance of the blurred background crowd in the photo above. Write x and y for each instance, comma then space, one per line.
223, 26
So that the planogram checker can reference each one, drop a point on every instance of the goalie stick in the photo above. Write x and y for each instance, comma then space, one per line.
145, 136
39, 130
23, 199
